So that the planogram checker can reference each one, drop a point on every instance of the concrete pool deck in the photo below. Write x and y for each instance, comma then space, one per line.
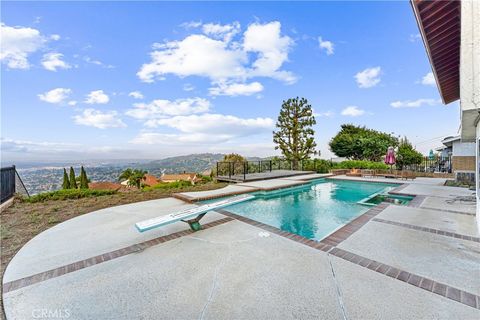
407, 262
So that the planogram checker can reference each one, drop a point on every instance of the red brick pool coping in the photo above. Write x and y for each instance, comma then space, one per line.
328, 244
53, 273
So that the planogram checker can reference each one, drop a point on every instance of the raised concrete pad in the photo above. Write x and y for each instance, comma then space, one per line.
228, 190
420, 180
457, 204
272, 184
436, 191
231, 271
93, 234
444, 259
312, 176
370, 295
441, 220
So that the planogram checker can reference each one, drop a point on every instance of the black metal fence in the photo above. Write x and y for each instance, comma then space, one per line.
241, 168
7, 180
431, 164
10, 183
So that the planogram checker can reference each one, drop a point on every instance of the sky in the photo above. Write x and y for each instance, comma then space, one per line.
149, 80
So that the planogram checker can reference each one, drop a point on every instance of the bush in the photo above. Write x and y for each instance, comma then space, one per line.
318, 165
360, 164
169, 185
68, 194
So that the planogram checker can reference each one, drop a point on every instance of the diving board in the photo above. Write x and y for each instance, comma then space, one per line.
184, 215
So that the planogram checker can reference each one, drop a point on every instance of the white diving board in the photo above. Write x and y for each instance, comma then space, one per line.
190, 213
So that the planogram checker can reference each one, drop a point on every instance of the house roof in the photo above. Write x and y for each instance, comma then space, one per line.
150, 180
182, 176
439, 25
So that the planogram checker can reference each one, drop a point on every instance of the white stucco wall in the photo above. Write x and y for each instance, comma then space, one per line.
463, 149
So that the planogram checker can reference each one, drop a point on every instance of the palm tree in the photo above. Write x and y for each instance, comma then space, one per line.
134, 177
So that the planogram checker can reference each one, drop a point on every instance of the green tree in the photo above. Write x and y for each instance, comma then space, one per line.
73, 182
66, 182
83, 179
295, 135
407, 155
134, 177
233, 157
360, 143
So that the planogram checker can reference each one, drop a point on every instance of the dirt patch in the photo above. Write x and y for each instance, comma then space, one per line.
22, 221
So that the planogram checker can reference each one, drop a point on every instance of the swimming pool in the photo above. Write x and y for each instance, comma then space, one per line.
314, 210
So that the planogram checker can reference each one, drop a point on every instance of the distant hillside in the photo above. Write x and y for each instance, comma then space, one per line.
199, 162
190, 163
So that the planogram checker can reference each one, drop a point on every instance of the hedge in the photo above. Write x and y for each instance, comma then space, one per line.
68, 194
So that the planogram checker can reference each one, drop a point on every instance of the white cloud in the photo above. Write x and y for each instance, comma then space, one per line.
222, 59
272, 49
87, 59
55, 37
188, 87
53, 61
218, 31
163, 108
352, 111
17, 44
369, 77
136, 95
414, 103
328, 46
97, 97
415, 37
99, 119
155, 138
205, 128
57, 95
429, 79
326, 114
72, 103
236, 89
215, 124
191, 24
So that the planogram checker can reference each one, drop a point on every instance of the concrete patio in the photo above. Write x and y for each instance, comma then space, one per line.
401, 262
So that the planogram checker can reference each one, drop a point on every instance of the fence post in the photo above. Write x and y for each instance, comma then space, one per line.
217, 169
270, 165
230, 169
245, 168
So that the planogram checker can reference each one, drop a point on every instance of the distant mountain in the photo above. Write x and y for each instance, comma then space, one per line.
190, 163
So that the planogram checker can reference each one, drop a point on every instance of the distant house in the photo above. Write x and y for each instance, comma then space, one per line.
150, 180
190, 177
463, 157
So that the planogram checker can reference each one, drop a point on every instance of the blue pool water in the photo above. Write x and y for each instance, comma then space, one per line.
312, 211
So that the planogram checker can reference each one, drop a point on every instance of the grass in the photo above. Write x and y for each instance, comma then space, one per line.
27, 218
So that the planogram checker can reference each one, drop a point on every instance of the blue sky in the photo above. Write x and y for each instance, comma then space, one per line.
119, 80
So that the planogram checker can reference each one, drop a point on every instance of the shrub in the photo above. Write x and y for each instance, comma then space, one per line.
318, 165
360, 164
68, 194
169, 185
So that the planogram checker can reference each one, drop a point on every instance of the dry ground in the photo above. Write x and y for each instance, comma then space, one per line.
22, 221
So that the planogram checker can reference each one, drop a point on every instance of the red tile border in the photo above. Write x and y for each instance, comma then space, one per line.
431, 230
347, 230
427, 284
72, 267
329, 245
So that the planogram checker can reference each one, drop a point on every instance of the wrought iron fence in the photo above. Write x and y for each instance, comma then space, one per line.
431, 164
240, 169
10, 183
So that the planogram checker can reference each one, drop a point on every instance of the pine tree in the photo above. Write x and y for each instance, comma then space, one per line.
83, 179
66, 182
73, 182
295, 135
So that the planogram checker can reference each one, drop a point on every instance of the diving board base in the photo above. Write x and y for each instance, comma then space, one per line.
195, 223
